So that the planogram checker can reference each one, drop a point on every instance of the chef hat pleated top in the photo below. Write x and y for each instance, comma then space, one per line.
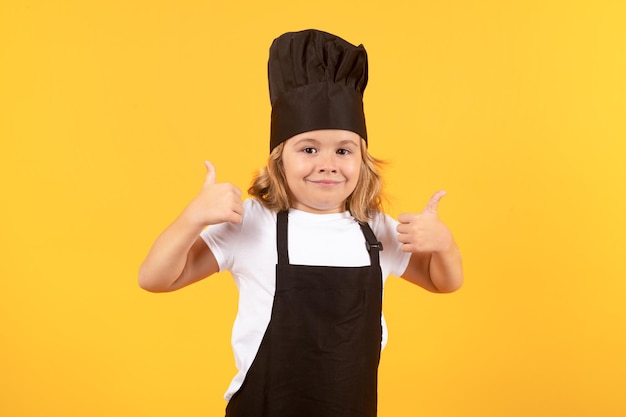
316, 81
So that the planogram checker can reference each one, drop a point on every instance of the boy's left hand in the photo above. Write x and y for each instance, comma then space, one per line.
424, 232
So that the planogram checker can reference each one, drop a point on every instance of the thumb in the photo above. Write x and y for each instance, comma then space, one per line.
210, 173
434, 202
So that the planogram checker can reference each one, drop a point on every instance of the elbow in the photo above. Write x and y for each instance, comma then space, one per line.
148, 283
450, 288
145, 284
447, 276
148, 286
452, 284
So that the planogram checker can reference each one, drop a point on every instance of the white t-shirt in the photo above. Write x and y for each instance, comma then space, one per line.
248, 251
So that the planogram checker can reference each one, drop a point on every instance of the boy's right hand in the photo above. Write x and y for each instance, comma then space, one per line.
216, 202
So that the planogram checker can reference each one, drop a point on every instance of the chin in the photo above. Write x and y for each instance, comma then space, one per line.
320, 207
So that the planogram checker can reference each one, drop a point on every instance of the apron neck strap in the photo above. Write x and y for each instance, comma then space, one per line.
281, 237
371, 243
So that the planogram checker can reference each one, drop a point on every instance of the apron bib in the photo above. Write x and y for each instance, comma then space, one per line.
320, 353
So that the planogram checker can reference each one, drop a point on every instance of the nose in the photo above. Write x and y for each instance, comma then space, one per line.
326, 163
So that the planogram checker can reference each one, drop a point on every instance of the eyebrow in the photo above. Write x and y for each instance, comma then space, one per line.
344, 142
348, 142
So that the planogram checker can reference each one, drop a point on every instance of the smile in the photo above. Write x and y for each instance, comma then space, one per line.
325, 183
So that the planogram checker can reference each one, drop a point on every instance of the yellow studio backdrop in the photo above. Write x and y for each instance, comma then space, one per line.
517, 109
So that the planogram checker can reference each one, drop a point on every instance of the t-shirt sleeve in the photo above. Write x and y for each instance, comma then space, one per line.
393, 260
222, 239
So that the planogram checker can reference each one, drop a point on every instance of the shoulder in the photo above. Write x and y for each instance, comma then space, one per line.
232, 242
254, 211
257, 221
383, 223
255, 215
393, 260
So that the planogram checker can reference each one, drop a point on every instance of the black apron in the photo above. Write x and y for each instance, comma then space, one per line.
320, 353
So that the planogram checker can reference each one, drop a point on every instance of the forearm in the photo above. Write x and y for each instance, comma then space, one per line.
167, 258
179, 256
446, 269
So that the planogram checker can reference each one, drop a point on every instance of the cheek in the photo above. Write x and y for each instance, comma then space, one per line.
295, 172
354, 171
290, 167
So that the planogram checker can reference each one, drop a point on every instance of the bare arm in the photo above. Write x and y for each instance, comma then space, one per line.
179, 257
435, 262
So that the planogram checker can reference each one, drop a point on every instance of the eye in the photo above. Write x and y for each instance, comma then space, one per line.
343, 152
309, 150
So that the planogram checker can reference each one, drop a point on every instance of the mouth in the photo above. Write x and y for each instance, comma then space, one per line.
325, 183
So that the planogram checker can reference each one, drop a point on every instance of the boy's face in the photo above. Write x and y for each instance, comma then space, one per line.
322, 168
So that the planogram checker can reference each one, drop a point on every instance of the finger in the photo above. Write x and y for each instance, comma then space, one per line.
210, 173
403, 238
233, 192
406, 217
238, 207
407, 248
235, 218
237, 215
434, 201
403, 228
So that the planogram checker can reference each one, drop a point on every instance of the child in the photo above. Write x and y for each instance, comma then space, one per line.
311, 250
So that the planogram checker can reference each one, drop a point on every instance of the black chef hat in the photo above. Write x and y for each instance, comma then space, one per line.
316, 81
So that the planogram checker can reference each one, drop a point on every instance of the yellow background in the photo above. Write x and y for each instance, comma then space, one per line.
516, 108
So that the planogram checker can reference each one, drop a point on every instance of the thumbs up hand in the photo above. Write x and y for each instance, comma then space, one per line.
424, 232
216, 202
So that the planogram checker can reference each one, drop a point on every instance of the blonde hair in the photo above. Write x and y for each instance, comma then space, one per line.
269, 186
